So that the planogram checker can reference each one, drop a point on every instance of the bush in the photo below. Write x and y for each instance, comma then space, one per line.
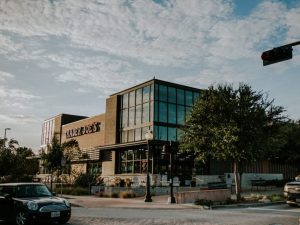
203, 202
73, 191
126, 194
115, 195
276, 198
85, 179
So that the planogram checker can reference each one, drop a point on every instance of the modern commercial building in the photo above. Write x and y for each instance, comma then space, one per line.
115, 143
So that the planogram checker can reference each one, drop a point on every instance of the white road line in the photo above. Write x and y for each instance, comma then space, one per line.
276, 210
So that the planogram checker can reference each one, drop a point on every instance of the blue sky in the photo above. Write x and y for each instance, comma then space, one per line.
67, 56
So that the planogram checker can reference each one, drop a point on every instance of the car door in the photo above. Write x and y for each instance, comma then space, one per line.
6, 202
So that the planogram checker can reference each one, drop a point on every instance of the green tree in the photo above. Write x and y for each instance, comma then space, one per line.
52, 160
15, 162
232, 124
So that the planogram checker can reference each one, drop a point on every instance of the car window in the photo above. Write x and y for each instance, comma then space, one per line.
7, 190
25, 191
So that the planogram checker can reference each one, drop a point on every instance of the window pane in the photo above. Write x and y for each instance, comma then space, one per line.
137, 166
138, 134
156, 133
163, 133
189, 98
180, 96
130, 155
129, 167
123, 167
125, 118
172, 113
138, 114
146, 112
130, 135
163, 112
144, 131
125, 101
138, 96
172, 94
171, 134
124, 136
180, 115
131, 116
156, 93
132, 99
146, 93
162, 92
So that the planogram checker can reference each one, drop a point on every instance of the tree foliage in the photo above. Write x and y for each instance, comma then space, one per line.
16, 163
232, 124
56, 151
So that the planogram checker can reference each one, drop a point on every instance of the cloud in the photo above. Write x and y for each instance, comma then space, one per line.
4, 76
15, 99
19, 119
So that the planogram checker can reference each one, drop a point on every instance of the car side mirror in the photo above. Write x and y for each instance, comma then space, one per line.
7, 196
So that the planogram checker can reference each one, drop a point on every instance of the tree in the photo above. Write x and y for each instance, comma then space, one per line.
14, 162
231, 124
68, 151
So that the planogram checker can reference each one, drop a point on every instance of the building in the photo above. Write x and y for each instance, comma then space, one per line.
115, 141
115, 144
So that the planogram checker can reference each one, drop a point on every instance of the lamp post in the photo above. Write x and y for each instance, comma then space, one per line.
4, 140
149, 137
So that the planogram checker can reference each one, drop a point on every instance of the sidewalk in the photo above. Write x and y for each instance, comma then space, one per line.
158, 202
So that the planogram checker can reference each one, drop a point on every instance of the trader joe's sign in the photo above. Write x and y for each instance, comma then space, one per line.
88, 129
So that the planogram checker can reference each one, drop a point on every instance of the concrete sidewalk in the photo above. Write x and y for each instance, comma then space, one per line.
158, 202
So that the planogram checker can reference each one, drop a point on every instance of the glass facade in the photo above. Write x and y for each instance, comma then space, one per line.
158, 107
136, 114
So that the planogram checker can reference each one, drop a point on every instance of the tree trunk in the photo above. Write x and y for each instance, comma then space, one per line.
237, 181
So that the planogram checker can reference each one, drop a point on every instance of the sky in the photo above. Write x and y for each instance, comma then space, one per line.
68, 56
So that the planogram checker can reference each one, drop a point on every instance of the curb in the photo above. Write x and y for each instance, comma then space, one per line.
258, 204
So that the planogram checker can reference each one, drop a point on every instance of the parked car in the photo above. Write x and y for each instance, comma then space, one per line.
25, 203
292, 193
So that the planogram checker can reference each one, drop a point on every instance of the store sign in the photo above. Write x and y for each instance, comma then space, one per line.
88, 129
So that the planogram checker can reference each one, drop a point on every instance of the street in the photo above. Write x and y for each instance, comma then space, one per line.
277, 214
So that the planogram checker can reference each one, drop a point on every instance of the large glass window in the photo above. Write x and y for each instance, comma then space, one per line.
131, 116
125, 118
130, 135
138, 114
163, 112
172, 134
163, 133
133, 161
163, 93
125, 101
172, 113
180, 96
132, 99
139, 96
146, 93
171, 94
189, 98
180, 114
145, 112
138, 134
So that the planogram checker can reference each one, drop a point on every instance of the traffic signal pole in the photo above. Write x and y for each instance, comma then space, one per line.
278, 54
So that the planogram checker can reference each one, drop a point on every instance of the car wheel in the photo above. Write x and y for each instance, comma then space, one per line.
21, 218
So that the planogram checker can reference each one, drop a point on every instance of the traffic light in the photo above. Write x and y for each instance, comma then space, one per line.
276, 55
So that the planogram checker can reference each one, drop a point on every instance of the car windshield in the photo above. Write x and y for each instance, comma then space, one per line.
25, 191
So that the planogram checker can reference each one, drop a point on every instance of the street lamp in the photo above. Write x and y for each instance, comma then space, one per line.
149, 137
4, 140
168, 149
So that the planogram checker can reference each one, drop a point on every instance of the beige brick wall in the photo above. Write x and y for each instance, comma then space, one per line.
108, 168
111, 120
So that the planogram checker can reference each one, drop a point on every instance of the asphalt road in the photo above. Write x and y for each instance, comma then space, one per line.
275, 215
271, 215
